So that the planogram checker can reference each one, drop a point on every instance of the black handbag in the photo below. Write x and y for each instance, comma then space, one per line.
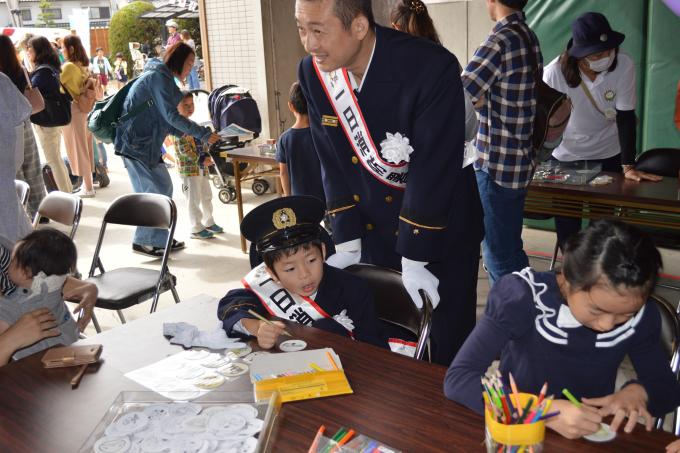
57, 110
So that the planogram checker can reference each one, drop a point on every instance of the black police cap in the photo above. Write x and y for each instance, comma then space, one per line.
283, 222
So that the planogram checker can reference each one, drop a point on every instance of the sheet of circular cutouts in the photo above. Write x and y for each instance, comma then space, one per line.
189, 374
183, 428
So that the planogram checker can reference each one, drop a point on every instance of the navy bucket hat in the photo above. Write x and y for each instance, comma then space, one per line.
591, 34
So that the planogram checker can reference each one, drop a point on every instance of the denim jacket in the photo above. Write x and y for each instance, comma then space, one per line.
141, 136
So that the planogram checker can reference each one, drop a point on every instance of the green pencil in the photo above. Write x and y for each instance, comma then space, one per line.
571, 398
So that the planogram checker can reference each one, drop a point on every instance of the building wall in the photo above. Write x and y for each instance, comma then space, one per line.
66, 8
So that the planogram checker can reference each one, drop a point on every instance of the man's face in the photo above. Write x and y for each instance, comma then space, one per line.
324, 37
490, 6
172, 30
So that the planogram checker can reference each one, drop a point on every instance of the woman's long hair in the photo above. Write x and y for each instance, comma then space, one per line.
411, 16
9, 62
79, 55
44, 53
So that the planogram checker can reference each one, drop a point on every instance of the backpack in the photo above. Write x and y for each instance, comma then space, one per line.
105, 116
553, 109
57, 105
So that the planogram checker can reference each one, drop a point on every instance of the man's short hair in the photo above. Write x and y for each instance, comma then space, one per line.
347, 10
297, 99
515, 4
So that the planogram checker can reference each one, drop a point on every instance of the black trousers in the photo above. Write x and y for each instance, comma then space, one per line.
567, 226
455, 316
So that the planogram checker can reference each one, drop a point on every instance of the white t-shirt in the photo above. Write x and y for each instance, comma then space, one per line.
589, 135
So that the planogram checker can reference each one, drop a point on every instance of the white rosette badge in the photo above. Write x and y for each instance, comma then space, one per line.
344, 320
395, 148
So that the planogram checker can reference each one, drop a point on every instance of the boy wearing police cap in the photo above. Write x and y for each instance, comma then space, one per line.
294, 283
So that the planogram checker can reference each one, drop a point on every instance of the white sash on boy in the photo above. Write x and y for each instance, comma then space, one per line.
339, 91
281, 303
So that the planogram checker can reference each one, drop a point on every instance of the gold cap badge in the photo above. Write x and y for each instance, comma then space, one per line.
284, 218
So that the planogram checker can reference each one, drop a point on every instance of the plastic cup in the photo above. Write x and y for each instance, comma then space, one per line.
518, 438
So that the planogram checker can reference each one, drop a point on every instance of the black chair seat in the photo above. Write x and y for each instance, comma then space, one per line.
140, 285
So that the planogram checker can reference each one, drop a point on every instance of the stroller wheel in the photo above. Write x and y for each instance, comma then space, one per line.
217, 182
260, 186
232, 193
225, 196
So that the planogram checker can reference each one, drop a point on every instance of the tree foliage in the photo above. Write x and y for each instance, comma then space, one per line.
45, 17
126, 27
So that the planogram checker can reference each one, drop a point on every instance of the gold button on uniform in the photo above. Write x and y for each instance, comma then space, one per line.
388, 199
369, 226
356, 198
355, 160
416, 231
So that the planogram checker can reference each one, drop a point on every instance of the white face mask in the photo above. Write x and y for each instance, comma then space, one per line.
602, 64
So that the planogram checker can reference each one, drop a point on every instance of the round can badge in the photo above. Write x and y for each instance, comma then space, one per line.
195, 423
209, 382
249, 358
293, 345
240, 352
227, 422
610, 114
233, 369
112, 445
131, 422
605, 434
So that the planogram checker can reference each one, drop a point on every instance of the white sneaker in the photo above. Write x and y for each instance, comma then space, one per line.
87, 193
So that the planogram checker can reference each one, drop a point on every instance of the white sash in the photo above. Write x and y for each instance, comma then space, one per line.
339, 91
279, 302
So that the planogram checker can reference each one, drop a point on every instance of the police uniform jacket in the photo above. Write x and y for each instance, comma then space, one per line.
412, 87
338, 290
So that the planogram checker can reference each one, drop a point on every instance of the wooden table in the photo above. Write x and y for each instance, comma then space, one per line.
250, 155
654, 204
396, 399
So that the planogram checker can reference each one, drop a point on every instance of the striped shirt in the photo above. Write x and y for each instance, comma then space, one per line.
501, 73
6, 285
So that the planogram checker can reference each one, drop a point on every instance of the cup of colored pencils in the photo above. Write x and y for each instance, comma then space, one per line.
515, 421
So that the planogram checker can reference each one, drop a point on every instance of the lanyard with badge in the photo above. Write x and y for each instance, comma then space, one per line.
609, 113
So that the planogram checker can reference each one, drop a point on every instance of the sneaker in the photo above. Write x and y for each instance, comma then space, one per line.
203, 234
87, 193
177, 245
215, 229
148, 250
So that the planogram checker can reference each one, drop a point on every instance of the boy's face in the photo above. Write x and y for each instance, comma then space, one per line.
100, 53
301, 272
186, 107
20, 276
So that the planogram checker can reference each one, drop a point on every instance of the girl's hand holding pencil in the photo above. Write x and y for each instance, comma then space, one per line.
574, 422
629, 402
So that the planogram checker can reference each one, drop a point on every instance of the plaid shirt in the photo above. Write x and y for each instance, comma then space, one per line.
501, 73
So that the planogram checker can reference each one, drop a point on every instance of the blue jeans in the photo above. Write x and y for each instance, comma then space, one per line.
192, 80
502, 247
149, 180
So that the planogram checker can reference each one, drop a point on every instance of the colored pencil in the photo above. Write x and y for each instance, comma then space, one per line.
315, 367
513, 386
525, 411
317, 438
345, 438
550, 415
541, 395
263, 319
330, 359
571, 398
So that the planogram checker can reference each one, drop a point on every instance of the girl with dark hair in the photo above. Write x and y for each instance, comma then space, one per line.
140, 138
77, 138
600, 81
412, 17
572, 329
28, 159
45, 77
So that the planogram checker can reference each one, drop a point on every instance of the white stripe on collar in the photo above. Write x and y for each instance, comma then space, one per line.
352, 80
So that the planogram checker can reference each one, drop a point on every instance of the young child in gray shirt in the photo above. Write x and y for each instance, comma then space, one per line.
38, 267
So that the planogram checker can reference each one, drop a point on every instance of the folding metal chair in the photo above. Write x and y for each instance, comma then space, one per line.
23, 191
61, 207
127, 286
393, 304
670, 339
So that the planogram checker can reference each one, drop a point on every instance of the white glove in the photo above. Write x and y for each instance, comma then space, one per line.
346, 254
415, 276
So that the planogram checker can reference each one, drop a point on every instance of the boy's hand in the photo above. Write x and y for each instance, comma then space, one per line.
267, 334
574, 422
630, 402
673, 447
32, 327
214, 138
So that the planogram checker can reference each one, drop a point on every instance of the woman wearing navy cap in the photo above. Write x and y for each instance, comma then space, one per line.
600, 80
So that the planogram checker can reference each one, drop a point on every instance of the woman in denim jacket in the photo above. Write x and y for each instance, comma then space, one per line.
140, 138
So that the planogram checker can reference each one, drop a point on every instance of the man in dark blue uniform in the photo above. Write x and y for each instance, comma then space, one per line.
387, 117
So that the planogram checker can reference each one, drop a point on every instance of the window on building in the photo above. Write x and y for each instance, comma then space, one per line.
26, 15
103, 12
55, 12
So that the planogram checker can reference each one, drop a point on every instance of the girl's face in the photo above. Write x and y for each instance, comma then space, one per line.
188, 64
604, 307
31, 53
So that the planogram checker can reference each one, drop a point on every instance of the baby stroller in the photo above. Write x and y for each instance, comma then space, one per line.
231, 104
